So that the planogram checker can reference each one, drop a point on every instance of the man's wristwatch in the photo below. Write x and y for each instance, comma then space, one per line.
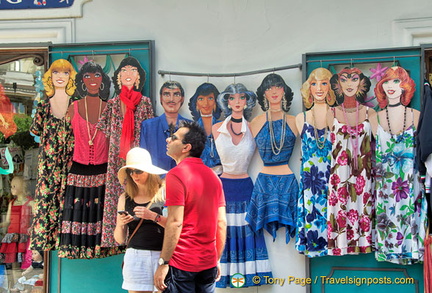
163, 262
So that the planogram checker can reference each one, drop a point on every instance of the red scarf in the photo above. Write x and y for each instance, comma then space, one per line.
131, 99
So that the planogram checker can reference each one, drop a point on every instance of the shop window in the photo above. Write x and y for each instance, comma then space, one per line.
20, 89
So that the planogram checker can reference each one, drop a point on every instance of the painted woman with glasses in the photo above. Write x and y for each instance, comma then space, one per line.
139, 215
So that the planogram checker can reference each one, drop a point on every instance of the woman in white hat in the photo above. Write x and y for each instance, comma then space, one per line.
140, 217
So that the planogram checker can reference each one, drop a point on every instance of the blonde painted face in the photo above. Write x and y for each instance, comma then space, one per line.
392, 88
319, 89
206, 104
60, 78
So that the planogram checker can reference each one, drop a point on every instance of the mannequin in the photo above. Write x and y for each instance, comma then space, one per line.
311, 237
275, 133
53, 126
120, 122
18, 219
236, 146
400, 203
350, 201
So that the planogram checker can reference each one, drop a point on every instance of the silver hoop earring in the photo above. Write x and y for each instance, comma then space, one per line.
83, 87
102, 86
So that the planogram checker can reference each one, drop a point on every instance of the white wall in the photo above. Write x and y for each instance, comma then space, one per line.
223, 36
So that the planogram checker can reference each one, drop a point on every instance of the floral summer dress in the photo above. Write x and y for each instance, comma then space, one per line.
111, 123
311, 236
56, 148
350, 201
400, 205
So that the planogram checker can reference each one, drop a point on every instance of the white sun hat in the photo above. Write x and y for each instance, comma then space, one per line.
140, 159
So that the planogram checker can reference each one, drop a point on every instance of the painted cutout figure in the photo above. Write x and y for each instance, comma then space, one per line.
275, 134
7, 123
400, 205
120, 122
81, 224
154, 132
206, 112
245, 251
350, 201
53, 126
311, 236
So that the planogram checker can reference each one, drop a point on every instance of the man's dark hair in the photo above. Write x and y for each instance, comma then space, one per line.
196, 137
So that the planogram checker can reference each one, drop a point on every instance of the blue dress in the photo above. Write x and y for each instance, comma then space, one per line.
274, 198
311, 236
209, 156
245, 251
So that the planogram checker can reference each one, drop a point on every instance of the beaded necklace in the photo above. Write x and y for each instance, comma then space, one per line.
91, 138
388, 121
354, 142
320, 141
275, 148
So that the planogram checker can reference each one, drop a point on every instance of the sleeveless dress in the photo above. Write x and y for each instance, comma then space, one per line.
209, 156
56, 147
245, 251
350, 201
16, 239
400, 205
311, 236
81, 224
274, 198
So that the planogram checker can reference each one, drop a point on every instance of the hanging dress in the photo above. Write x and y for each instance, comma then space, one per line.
350, 202
400, 206
111, 123
55, 153
245, 251
209, 156
14, 244
81, 225
274, 197
311, 236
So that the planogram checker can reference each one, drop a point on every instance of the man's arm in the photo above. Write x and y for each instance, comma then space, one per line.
173, 228
220, 237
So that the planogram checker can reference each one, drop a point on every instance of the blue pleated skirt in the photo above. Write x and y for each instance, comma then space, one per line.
245, 251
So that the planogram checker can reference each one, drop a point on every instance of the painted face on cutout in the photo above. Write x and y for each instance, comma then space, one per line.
128, 76
349, 83
206, 104
60, 78
319, 89
274, 94
171, 100
392, 88
237, 102
92, 82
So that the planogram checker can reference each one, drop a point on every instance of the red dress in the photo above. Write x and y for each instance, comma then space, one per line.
16, 239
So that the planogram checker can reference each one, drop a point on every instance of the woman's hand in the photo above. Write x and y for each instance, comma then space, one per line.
144, 213
125, 219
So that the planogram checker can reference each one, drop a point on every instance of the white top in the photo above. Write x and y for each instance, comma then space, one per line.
235, 159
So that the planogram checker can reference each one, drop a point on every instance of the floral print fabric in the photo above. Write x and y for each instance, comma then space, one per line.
350, 201
56, 149
111, 123
400, 206
311, 236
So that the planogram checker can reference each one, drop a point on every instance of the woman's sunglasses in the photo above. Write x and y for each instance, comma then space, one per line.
136, 171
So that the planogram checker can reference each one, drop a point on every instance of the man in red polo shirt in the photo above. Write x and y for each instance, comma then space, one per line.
195, 231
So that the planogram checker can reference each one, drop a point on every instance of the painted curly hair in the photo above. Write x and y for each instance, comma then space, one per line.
362, 89
407, 85
59, 65
317, 74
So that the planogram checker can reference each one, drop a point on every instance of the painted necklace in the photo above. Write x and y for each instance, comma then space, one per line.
354, 142
388, 123
275, 148
91, 138
320, 141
